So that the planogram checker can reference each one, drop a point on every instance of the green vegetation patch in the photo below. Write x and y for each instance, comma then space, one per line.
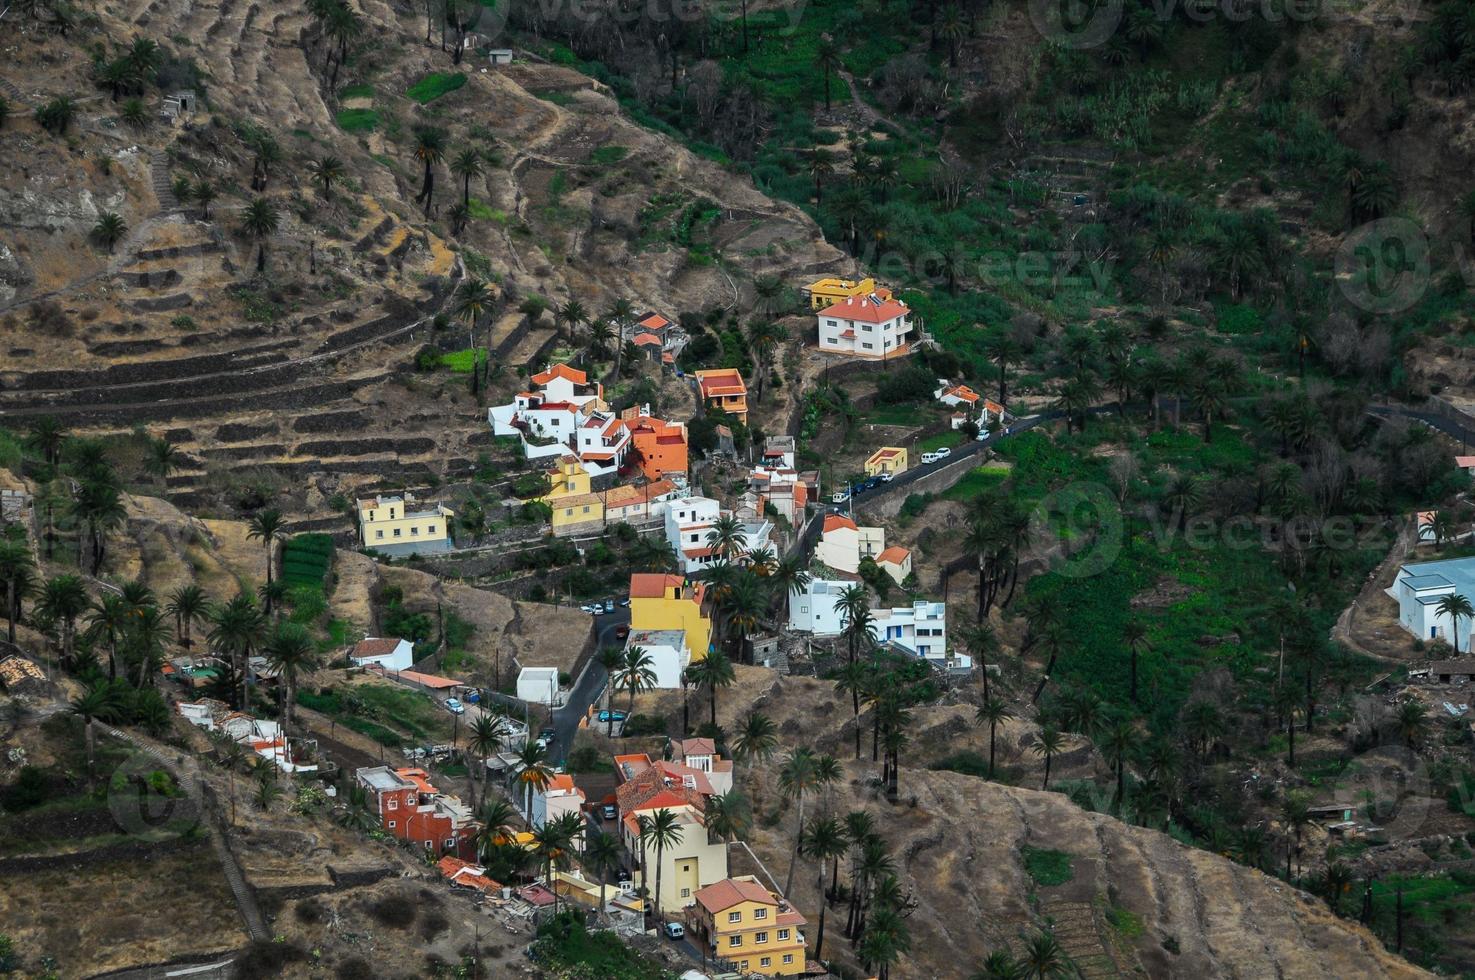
978, 480
566, 948
306, 559
392, 716
609, 154
360, 91
1047, 867
357, 120
461, 361
434, 85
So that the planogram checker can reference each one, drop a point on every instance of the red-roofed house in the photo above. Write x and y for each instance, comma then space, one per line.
866, 326
744, 923
896, 562
660, 446
466, 875
643, 788
842, 543
558, 798
549, 420
723, 389
390, 653
409, 807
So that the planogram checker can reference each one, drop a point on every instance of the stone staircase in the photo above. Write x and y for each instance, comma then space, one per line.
162, 182
1079, 932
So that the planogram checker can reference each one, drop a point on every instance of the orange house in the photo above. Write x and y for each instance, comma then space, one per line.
661, 445
723, 388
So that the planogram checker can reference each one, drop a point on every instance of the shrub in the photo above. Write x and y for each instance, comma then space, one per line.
394, 911
1047, 867
637, 725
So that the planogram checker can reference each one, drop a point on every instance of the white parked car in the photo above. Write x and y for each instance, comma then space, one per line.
887, 476
839, 496
942, 453
455, 707
929, 458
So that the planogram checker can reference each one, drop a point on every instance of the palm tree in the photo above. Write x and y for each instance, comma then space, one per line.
1295, 812
952, 30
823, 842
56, 116
1134, 637
728, 815
1049, 743
47, 437
1183, 495
291, 651
430, 149
1044, 958
109, 230
63, 600
726, 538
187, 604
821, 168
993, 711
602, 856
635, 674
572, 314
756, 738
663, 831
98, 701
789, 578
260, 221
236, 630
163, 458
134, 114
742, 607
827, 58
146, 635
855, 679
1001, 349
1119, 742
1202, 724
532, 771
466, 165
484, 737
266, 526
712, 672
1456, 607
16, 565
999, 965
327, 171
796, 778
1410, 722
108, 622
203, 193
99, 505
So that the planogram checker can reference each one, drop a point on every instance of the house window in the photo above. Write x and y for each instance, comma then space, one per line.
379, 533
686, 893
686, 867
586, 508
783, 934
414, 531
393, 803
766, 961
450, 843
569, 512
760, 914
868, 346
734, 941
429, 845
760, 938
391, 825
734, 917
788, 957
396, 532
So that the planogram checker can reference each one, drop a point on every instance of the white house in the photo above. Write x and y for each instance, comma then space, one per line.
688, 522
865, 326
814, 610
843, 543
701, 754
556, 799
1418, 589
669, 655
895, 561
919, 629
390, 653
565, 413
778, 452
538, 685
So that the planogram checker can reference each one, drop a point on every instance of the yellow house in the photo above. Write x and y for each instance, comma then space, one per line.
828, 292
746, 924
667, 602
887, 459
570, 495
400, 526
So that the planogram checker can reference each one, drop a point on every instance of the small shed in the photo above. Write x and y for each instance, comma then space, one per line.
538, 685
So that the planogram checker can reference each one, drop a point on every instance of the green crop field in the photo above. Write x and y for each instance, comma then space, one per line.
357, 120
306, 559
434, 85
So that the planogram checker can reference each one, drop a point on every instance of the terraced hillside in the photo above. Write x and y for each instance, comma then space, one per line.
305, 370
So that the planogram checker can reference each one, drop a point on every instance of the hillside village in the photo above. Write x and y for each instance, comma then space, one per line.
863, 491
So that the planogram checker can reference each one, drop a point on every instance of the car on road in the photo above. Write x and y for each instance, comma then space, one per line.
675, 930
455, 707
609, 605
887, 476
547, 735
622, 631
605, 717
929, 457
590, 607
943, 453
625, 603
609, 812
872, 483
839, 496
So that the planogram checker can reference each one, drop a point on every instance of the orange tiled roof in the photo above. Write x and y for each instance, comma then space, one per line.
836, 521
653, 585
894, 554
646, 340
721, 381
867, 309
722, 895
561, 371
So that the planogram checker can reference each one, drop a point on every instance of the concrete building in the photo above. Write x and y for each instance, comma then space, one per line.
723, 389
814, 610
920, 628
557, 799
843, 543
571, 499
694, 861
830, 290
538, 685
660, 448
669, 656
896, 562
410, 808
887, 459
400, 525
690, 520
